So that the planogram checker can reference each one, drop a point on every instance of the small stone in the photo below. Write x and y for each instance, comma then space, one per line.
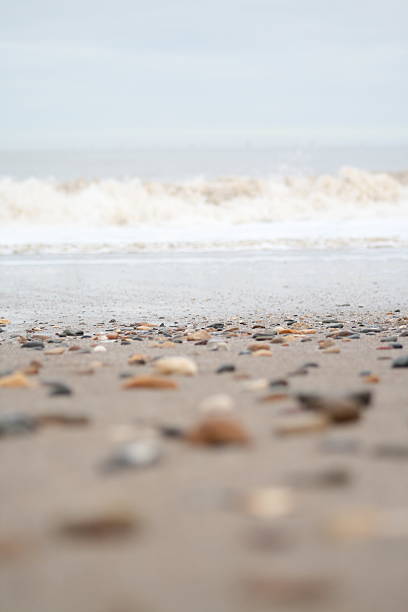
338, 409
33, 344
138, 359
217, 403
278, 382
216, 431
176, 365
297, 592
201, 334
339, 445
332, 477
226, 367
262, 353
300, 424
149, 381
16, 423
58, 388
110, 525
69, 420
372, 379
397, 345
268, 503
15, 380
55, 351
391, 450
274, 397
400, 362
171, 431
257, 384
99, 349
139, 454
257, 346
324, 344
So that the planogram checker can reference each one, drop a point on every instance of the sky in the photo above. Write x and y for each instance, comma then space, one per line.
157, 73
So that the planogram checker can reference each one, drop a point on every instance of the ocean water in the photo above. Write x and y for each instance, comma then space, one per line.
125, 202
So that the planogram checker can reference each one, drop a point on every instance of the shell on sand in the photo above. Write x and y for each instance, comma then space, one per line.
176, 365
15, 380
149, 382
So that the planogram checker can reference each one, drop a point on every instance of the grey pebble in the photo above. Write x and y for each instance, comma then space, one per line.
226, 367
33, 344
16, 423
400, 362
58, 388
139, 454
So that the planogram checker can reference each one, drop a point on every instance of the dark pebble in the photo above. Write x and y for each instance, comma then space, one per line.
58, 388
226, 367
33, 344
389, 339
279, 382
354, 337
400, 362
397, 345
171, 431
16, 423
336, 326
311, 364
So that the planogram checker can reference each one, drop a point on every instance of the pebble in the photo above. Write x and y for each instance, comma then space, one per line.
288, 591
217, 403
138, 454
138, 359
278, 382
99, 349
55, 351
331, 477
339, 445
217, 431
70, 420
274, 502
17, 379
226, 367
99, 526
58, 388
149, 382
16, 423
33, 344
400, 362
176, 365
258, 384
391, 450
299, 424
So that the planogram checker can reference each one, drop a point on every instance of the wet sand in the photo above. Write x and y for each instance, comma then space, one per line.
312, 520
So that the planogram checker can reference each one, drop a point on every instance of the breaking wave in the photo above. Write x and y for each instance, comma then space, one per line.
351, 194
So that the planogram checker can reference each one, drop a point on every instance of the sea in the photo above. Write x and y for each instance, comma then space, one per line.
127, 201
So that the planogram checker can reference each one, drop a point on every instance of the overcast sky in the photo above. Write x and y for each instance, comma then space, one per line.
221, 72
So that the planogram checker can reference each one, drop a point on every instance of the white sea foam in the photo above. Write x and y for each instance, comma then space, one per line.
353, 207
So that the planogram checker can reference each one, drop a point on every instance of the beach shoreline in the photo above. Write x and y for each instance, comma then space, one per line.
208, 527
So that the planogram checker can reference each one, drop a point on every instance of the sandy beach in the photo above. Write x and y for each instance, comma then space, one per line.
121, 499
